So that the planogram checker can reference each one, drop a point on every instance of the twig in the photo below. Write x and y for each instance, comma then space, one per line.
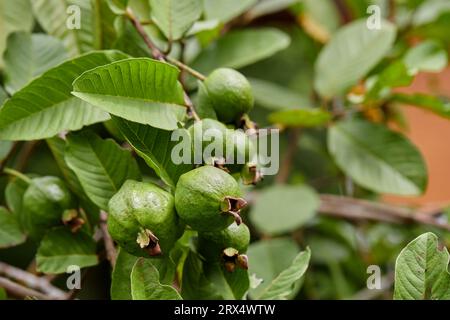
157, 54
186, 68
25, 154
343, 11
357, 209
17, 174
32, 281
111, 252
286, 165
392, 11
19, 291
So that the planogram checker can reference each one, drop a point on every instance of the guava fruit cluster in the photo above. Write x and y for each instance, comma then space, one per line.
146, 220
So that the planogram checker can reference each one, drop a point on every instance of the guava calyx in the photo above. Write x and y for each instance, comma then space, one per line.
149, 242
232, 260
251, 174
72, 219
233, 206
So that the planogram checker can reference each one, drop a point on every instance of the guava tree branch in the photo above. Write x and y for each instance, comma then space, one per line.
32, 285
359, 209
157, 54
111, 252
19, 291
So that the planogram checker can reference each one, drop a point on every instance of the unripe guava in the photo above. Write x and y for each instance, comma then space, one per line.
208, 199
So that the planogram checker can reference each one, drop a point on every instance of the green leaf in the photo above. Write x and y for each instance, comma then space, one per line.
145, 283
101, 166
121, 276
58, 148
275, 97
60, 248
30, 114
428, 56
28, 56
155, 146
71, 21
438, 105
421, 270
240, 48
175, 17
225, 10
140, 90
395, 75
230, 285
352, 52
299, 206
376, 158
118, 6
305, 118
267, 259
10, 232
195, 284
283, 285
265, 7
15, 15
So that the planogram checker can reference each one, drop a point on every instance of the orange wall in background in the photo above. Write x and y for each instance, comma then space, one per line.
432, 135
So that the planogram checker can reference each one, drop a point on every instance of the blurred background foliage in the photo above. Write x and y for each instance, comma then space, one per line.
276, 45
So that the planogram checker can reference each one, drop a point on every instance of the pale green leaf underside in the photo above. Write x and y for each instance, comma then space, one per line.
46, 107
377, 158
428, 56
61, 248
145, 283
155, 147
56, 16
175, 17
141, 90
101, 166
225, 10
267, 259
15, 15
282, 286
121, 276
28, 56
10, 231
273, 96
351, 53
299, 206
421, 270
238, 49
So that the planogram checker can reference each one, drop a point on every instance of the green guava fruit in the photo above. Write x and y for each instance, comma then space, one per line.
45, 201
208, 199
142, 219
228, 93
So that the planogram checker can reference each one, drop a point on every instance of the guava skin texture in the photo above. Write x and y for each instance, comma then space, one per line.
236, 145
201, 198
229, 93
44, 203
212, 244
140, 206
